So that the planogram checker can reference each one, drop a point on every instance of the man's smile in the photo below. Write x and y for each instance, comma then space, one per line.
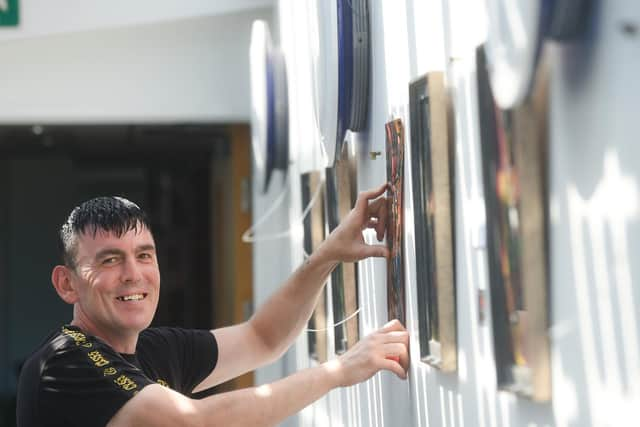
132, 297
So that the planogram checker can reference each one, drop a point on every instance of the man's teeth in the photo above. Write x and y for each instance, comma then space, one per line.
136, 297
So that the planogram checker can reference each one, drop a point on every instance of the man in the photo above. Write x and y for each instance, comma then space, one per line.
108, 368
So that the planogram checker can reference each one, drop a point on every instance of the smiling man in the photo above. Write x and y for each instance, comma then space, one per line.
107, 367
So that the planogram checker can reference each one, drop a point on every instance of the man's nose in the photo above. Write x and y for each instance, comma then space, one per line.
131, 271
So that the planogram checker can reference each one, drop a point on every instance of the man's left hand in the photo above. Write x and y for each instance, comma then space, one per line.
346, 243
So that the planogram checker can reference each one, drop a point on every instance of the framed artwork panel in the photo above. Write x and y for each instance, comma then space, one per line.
394, 132
341, 196
314, 234
432, 183
514, 177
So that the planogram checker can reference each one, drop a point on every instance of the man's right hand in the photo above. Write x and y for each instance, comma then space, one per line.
373, 353
269, 404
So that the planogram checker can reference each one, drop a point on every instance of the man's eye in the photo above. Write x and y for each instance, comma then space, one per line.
145, 255
110, 260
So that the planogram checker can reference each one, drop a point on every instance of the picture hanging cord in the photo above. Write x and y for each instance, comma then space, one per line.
314, 79
335, 324
248, 236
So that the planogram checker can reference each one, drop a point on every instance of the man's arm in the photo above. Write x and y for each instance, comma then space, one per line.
277, 323
267, 405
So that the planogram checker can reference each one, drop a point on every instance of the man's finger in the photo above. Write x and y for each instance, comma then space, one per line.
394, 358
365, 196
399, 349
372, 223
396, 349
381, 226
374, 208
378, 251
393, 325
400, 336
396, 368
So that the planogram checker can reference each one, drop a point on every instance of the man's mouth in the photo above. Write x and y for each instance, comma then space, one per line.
132, 297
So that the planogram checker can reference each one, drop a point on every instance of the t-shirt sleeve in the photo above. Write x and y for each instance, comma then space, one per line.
189, 355
87, 384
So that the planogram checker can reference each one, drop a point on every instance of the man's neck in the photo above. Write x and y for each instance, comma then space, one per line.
125, 344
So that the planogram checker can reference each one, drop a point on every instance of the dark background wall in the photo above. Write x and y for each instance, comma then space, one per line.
43, 175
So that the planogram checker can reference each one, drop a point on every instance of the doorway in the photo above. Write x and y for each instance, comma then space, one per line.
169, 170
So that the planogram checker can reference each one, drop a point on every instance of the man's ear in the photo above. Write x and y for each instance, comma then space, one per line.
61, 279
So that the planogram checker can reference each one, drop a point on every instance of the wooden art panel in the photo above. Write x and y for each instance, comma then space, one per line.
432, 183
314, 233
341, 196
514, 174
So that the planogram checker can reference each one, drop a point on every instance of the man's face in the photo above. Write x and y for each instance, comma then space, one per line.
117, 281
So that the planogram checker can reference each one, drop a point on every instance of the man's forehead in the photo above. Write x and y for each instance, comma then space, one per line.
139, 234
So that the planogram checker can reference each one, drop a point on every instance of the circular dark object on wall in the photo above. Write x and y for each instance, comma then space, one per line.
568, 19
270, 105
278, 115
354, 59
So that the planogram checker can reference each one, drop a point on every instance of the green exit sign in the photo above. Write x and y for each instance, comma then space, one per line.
8, 13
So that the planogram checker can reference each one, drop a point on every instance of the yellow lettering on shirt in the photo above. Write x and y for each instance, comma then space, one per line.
97, 358
125, 383
78, 337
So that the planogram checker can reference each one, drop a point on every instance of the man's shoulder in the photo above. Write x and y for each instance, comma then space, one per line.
60, 340
165, 334
64, 347
66, 343
168, 335
73, 375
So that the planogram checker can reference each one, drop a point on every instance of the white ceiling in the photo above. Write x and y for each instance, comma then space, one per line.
46, 17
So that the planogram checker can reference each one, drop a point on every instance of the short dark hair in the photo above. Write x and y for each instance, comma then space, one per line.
112, 214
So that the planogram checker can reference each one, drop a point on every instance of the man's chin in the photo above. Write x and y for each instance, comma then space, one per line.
136, 325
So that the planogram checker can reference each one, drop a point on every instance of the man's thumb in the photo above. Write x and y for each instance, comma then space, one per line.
377, 251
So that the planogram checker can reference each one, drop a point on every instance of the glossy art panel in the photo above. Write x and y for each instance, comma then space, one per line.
395, 224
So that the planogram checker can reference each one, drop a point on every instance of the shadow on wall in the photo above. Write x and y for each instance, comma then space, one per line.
605, 313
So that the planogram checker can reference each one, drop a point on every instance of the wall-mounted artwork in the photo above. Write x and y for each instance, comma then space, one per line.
432, 172
395, 177
270, 104
514, 170
340, 67
341, 196
314, 232
354, 59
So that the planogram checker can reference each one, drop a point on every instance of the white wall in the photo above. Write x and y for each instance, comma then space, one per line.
45, 17
595, 176
192, 69
594, 209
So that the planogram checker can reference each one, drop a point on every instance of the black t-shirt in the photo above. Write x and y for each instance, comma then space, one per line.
75, 379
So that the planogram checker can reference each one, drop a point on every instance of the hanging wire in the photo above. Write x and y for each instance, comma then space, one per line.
355, 313
248, 236
314, 78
